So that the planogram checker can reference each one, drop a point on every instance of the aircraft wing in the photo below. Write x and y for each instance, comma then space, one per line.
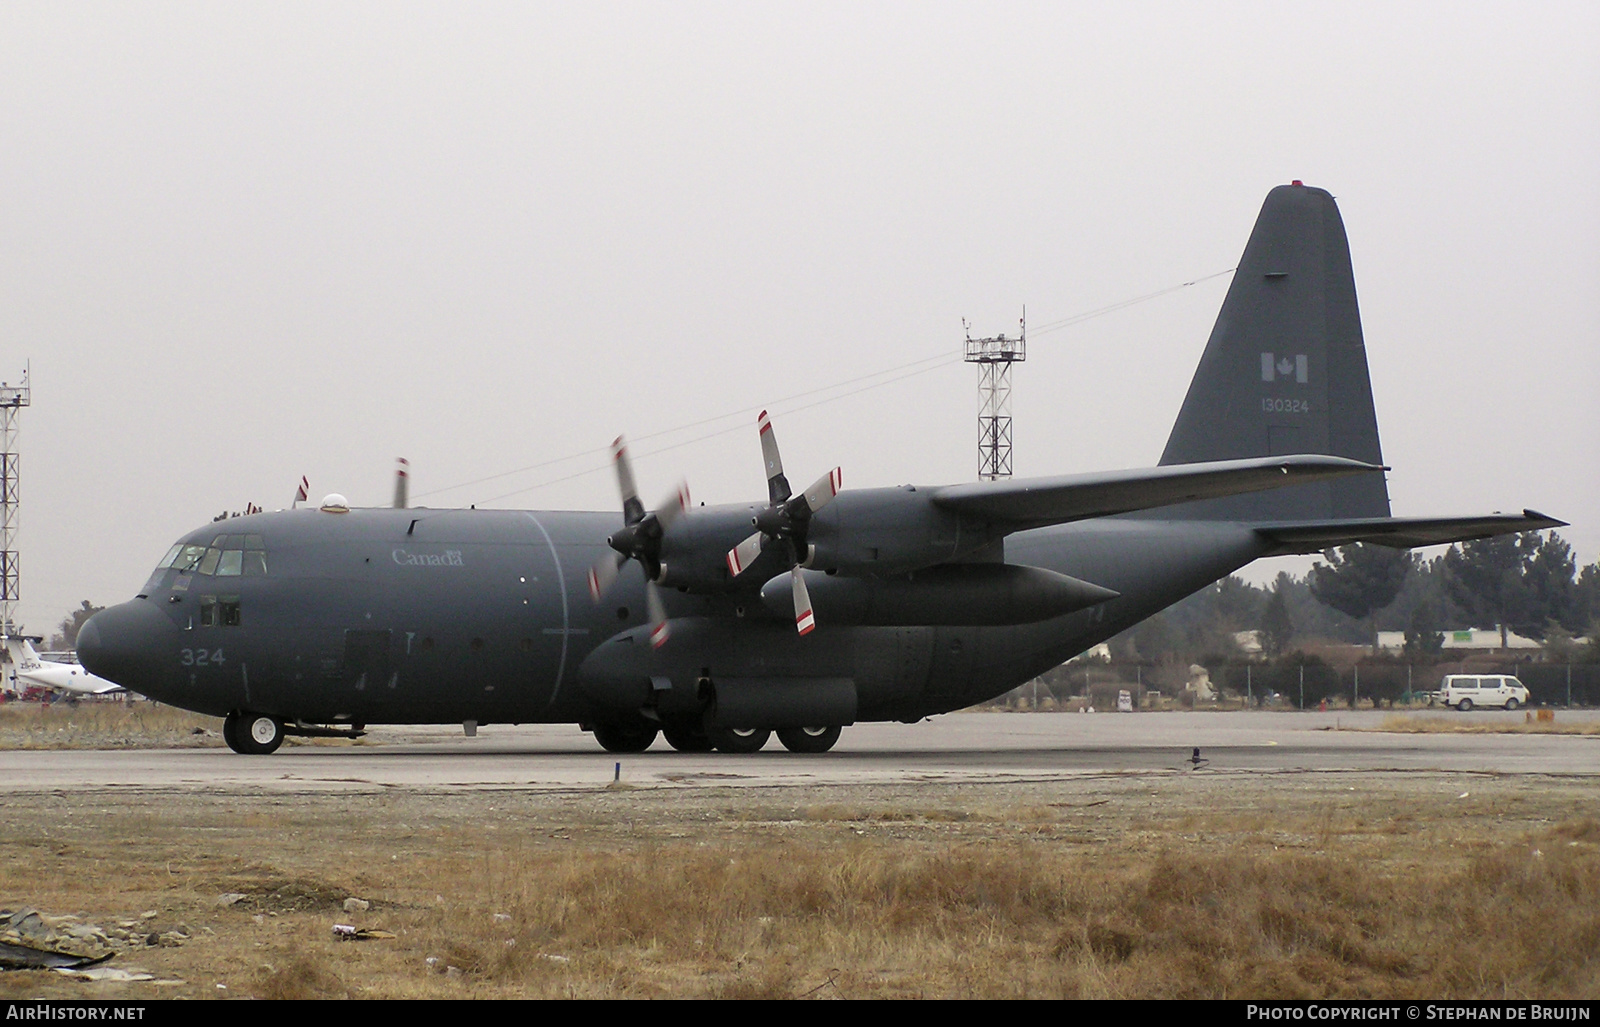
1037, 502
1399, 532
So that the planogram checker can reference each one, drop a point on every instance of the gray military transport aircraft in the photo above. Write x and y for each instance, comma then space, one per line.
869, 604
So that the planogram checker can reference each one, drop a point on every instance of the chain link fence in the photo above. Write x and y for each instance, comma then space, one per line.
1291, 682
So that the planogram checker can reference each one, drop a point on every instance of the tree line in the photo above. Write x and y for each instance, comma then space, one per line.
1528, 583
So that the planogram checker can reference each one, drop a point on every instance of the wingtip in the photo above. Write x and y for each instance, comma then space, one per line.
1535, 515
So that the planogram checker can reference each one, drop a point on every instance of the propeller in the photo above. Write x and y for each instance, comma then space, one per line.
639, 539
785, 522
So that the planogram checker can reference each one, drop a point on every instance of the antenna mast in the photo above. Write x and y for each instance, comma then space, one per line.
12, 399
994, 358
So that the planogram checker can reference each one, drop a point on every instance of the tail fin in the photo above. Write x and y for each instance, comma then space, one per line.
1285, 370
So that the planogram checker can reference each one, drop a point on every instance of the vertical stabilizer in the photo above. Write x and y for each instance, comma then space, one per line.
1285, 370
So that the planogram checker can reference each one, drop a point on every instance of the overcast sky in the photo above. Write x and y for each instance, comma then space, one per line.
241, 243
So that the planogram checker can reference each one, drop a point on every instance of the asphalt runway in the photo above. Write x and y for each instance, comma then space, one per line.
952, 749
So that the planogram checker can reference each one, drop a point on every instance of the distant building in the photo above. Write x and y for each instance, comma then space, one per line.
1463, 638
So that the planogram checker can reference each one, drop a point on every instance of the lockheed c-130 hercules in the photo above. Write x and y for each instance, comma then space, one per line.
840, 606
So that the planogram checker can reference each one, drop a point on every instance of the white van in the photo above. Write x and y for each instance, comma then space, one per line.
1464, 691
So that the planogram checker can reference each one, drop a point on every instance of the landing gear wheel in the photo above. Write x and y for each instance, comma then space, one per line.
687, 737
1512, 704
624, 737
252, 734
738, 739
808, 739
1464, 706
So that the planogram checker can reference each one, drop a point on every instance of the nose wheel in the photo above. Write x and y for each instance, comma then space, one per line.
252, 734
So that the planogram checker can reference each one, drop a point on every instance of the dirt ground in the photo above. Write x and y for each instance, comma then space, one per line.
1166, 885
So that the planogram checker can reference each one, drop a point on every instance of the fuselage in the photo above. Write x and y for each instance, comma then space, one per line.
436, 616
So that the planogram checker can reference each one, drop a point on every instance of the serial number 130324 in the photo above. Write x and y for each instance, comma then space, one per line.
1285, 406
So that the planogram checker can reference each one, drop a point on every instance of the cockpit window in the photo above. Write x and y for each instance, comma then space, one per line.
229, 556
188, 558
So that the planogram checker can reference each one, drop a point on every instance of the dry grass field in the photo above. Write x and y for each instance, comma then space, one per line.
1170, 885
101, 724
1456, 723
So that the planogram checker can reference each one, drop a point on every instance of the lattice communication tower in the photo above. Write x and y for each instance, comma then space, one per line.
12, 399
994, 358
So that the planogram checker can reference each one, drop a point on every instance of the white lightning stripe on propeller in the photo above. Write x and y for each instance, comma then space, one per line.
744, 554
803, 619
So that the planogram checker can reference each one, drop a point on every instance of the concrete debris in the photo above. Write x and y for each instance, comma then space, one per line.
105, 973
30, 941
231, 898
355, 905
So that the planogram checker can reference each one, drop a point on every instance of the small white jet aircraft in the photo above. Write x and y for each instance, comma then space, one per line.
27, 670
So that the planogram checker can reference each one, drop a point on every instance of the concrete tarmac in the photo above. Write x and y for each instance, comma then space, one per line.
952, 749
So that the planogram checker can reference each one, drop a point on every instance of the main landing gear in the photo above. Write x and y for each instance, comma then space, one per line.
809, 739
688, 736
624, 737
252, 734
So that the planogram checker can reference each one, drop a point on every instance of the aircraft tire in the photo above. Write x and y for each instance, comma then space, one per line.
687, 738
255, 734
809, 739
624, 737
1464, 706
230, 732
738, 739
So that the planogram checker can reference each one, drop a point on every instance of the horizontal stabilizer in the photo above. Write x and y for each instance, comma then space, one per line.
1022, 503
1399, 532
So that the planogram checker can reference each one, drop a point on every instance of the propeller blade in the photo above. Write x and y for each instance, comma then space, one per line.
604, 573
777, 484
804, 621
658, 616
632, 509
673, 506
744, 554
822, 491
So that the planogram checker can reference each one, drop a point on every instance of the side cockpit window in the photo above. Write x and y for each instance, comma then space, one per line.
220, 612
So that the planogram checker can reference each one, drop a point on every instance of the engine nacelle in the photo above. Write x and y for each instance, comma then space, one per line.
959, 594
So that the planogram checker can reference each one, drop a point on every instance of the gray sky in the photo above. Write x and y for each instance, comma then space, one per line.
242, 243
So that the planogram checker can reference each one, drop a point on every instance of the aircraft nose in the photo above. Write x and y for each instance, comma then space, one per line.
124, 644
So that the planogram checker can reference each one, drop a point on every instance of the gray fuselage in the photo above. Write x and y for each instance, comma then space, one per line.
438, 616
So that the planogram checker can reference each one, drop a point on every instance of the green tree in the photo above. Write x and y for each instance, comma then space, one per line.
1488, 579
1277, 627
1423, 637
66, 636
1359, 580
1550, 591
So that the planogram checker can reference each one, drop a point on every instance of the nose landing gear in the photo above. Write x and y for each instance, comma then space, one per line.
252, 734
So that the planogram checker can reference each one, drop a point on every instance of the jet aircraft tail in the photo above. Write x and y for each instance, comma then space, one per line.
1285, 370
